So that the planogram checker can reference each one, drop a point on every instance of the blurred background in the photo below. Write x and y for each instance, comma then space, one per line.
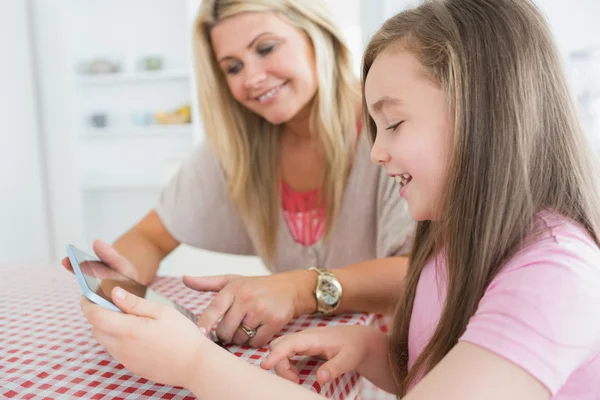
98, 110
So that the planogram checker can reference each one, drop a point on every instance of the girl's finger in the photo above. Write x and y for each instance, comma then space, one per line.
289, 345
108, 321
339, 364
131, 304
287, 370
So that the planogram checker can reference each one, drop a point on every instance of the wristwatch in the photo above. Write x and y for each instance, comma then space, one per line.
328, 291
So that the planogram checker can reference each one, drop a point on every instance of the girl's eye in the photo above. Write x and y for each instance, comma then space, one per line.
394, 127
264, 50
234, 69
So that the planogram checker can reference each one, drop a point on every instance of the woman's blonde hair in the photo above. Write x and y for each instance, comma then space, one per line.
247, 144
518, 149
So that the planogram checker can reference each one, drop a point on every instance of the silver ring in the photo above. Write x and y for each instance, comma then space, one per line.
251, 332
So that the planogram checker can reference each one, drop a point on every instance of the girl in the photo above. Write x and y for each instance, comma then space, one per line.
469, 109
284, 175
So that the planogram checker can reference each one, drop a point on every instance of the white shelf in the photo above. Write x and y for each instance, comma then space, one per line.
101, 186
145, 131
133, 77
125, 182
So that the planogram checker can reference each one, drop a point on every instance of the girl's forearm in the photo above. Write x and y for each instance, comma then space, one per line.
376, 367
220, 375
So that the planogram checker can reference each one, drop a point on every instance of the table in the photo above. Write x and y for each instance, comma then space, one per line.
47, 352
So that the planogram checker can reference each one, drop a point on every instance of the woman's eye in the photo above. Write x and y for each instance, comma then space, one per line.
264, 50
234, 69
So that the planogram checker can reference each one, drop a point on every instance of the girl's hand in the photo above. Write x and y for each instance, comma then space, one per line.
150, 339
265, 303
345, 348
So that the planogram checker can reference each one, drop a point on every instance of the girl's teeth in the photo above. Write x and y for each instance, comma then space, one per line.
403, 179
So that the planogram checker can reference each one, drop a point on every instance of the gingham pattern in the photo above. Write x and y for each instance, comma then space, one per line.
46, 351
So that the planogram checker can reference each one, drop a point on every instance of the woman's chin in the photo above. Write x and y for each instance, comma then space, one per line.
278, 118
281, 115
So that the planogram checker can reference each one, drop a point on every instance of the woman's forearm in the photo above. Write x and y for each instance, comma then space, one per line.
372, 286
141, 254
145, 245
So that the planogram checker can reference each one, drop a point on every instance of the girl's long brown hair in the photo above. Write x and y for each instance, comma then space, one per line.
518, 149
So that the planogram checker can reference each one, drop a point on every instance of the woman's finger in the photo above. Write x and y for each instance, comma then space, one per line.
110, 256
231, 322
209, 283
252, 321
266, 332
240, 338
215, 310
67, 264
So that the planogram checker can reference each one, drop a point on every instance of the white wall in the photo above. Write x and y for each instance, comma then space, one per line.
574, 23
347, 14
23, 214
52, 69
67, 32
576, 29
121, 167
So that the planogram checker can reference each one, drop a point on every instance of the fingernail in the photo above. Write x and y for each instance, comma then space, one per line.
120, 293
203, 331
325, 376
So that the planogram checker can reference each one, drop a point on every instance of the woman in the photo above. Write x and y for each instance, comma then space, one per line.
284, 175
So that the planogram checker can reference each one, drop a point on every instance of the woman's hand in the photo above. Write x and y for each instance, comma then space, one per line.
150, 339
345, 348
265, 303
107, 254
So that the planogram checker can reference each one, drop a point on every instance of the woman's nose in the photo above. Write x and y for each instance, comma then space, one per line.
255, 78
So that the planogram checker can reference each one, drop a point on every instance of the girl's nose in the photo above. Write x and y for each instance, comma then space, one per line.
379, 153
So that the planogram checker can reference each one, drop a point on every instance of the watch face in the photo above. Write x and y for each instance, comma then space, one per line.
329, 293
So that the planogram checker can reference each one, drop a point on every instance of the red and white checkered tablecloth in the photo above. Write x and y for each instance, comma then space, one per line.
47, 352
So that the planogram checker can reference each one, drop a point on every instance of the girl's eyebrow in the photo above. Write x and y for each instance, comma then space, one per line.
385, 102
